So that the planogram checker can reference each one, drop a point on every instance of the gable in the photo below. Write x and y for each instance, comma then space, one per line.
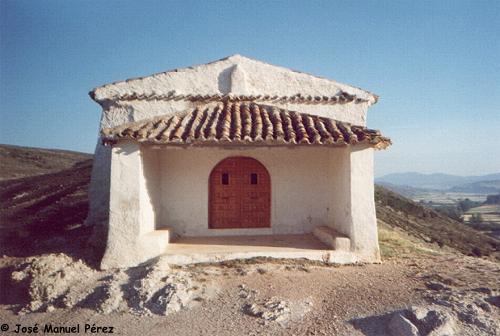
236, 75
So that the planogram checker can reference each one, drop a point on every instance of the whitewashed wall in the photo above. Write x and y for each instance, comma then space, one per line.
307, 188
131, 236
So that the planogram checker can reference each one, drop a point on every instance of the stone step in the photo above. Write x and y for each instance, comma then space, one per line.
332, 238
165, 233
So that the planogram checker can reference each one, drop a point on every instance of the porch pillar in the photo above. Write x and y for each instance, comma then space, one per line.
364, 235
132, 238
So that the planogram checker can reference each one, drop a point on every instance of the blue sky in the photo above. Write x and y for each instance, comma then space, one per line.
435, 65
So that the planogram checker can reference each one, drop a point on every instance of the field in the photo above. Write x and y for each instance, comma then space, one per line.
489, 218
446, 198
488, 212
449, 202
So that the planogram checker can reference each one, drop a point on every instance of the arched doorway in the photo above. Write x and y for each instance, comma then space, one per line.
239, 194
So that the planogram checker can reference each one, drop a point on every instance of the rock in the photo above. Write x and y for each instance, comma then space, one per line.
432, 322
49, 277
483, 305
419, 313
484, 290
436, 286
494, 300
271, 310
446, 327
245, 292
401, 326
252, 310
471, 316
438, 323
443, 303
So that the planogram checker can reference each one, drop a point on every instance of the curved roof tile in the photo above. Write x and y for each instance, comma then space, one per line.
244, 123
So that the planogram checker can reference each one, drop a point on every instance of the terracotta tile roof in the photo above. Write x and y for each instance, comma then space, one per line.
246, 123
340, 98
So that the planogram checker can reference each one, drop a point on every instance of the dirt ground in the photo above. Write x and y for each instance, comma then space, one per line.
318, 299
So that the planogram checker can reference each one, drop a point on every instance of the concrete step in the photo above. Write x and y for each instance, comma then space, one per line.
332, 238
164, 233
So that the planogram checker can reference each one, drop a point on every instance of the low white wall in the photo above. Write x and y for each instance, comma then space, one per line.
305, 185
364, 235
132, 238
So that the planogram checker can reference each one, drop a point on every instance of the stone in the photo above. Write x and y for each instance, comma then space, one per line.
418, 312
432, 322
401, 326
252, 310
436, 286
483, 305
484, 290
445, 326
494, 300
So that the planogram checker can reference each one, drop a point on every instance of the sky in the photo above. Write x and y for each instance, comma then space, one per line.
435, 65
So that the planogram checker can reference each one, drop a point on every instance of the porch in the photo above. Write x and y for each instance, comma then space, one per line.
189, 250
159, 193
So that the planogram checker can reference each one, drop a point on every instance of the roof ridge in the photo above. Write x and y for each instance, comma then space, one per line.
341, 97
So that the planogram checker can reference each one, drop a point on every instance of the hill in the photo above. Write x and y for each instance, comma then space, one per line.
432, 226
405, 190
55, 204
17, 161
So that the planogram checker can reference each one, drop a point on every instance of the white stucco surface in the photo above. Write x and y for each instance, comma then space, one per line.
235, 74
300, 194
132, 237
363, 228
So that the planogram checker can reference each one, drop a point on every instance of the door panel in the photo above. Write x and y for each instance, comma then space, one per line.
240, 194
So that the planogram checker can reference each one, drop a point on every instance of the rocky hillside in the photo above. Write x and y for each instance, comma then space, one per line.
16, 161
36, 208
44, 200
431, 226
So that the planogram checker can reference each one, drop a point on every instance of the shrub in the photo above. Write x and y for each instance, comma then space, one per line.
475, 219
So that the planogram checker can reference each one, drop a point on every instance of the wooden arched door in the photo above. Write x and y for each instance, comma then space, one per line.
239, 194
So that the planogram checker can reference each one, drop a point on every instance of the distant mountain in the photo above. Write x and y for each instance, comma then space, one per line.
433, 181
481, 187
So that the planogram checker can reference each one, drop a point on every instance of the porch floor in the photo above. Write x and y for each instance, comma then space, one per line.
187, 250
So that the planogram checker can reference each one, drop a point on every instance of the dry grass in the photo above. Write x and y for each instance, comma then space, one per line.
396, 243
